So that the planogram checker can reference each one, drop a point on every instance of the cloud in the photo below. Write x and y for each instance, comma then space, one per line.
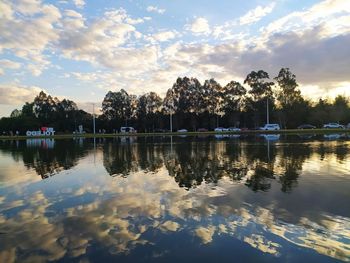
169, 226
320, 13
256, 14
199, 26
28, 29
155, 9
79, 3
72, 13
15, 94
5, 63
205, 233
102, 42
72, 21
312, 57
165, 35
312, 42
316, 51
135, 21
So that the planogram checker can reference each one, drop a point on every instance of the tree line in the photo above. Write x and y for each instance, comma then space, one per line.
192, 105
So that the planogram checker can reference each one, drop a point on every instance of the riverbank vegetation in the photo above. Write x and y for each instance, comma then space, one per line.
193, 105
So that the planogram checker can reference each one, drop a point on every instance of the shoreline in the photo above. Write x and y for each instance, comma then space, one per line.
112, 135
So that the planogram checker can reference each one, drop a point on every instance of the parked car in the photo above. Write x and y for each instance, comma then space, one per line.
333, 125
270, 127
306, 126
348, 126
233, 129
220, 129
127, 130
182, 130
202, 130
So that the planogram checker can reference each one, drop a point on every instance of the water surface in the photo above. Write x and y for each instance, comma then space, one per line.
170, 199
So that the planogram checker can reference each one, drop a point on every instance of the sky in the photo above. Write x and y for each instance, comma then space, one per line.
82, 49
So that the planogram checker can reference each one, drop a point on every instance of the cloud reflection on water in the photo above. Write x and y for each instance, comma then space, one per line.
215, 198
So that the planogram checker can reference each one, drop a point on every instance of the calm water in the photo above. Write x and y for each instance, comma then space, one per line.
179, 199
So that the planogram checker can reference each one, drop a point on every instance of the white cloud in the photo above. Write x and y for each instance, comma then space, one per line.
5, 63
256, 14
79, 3
326, 90
155, 9
165, 36
313, 43
320, 13
6, 10
27, 7
72, 20
28, 28
132, 21
107, 42
72, 13
15, 94
199, 26
36, 70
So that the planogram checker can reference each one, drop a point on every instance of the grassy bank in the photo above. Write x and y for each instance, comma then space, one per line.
111, 135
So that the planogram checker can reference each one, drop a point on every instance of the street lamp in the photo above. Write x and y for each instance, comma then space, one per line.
267, 111
171, 112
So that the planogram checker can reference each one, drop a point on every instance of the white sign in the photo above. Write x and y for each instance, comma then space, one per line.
44, 131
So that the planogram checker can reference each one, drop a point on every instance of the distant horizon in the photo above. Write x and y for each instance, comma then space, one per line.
80, 50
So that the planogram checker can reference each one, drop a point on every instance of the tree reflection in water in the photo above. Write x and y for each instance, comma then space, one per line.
46, 156
256, 163
192, 162
169, 186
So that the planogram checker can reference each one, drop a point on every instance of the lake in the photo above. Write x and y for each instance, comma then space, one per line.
272, 198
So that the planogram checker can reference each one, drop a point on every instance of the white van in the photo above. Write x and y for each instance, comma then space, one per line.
127, 130
270, 127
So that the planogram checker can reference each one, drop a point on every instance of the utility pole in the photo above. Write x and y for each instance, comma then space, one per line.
171, 112
267, 111
171, 121
93, 118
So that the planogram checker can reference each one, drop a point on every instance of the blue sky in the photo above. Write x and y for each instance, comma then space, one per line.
82, 49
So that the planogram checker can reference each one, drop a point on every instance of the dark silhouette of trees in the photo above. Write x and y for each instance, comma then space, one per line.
63, 115
117, 106
260, 94
340, 110
149, 107
233, 102
289, 98
193, 105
